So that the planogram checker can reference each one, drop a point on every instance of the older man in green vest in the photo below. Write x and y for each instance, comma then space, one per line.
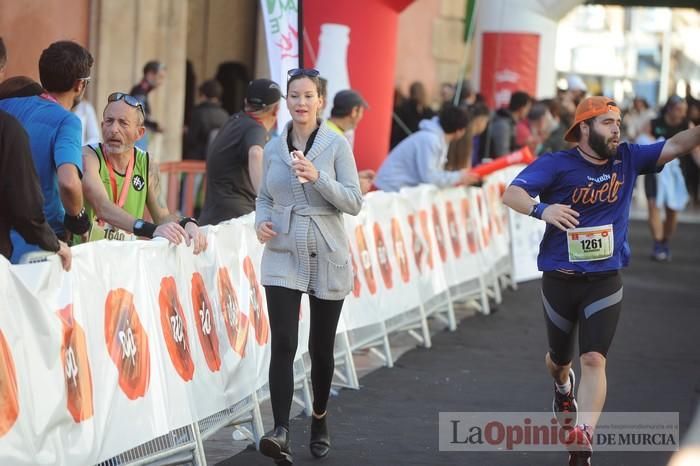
120, 180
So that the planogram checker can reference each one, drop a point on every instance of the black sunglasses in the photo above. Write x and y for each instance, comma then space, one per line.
128, 98
310, 72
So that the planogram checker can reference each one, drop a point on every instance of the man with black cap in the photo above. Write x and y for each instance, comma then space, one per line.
153, 77
348, 109
234, 158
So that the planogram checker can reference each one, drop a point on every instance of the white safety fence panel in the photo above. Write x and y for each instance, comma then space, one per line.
142, 339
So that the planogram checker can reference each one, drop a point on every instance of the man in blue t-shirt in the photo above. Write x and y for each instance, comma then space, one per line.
55, 138
585, 195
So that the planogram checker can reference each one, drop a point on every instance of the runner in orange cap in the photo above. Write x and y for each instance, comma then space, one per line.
584, 196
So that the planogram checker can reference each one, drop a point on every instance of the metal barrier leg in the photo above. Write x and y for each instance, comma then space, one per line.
257, 423
485, 306
451, 320
389, 358
199, 455
497, 288
427, 341
350, 370
345, 370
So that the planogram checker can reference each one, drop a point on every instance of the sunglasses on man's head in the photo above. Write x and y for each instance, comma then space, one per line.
310, 72
128, 98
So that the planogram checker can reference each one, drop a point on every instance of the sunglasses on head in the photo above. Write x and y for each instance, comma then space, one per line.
128, 98
309, 72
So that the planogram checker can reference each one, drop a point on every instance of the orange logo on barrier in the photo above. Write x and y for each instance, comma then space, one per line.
382, 256
356, 285
423, 215
494, 205
439, 235
9, 402
127, 343
174, 327
365, 260
486, 228
205, 323
416, 242
400, 250
499, 203
453, 229
235, 321
470, 227
257, 316
76, 366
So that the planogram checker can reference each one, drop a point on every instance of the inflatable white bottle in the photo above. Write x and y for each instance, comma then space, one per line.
332, 60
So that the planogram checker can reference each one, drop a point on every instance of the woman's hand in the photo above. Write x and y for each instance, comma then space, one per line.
303, 167
195, 234
265, 232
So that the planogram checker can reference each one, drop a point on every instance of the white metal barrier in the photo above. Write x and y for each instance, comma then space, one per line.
416, 254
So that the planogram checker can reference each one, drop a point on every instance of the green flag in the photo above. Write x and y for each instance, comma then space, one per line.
469, 19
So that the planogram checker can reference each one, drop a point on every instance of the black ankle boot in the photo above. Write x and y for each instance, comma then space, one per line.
320, 443
275, 444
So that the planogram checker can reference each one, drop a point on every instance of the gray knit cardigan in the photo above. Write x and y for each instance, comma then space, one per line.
311, 250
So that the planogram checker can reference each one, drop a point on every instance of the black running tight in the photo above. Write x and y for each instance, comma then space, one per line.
283, 310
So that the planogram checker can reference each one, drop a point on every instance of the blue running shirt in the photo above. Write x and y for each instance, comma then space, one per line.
601, 194
55, 136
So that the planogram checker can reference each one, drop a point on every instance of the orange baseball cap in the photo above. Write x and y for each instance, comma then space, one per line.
588, 108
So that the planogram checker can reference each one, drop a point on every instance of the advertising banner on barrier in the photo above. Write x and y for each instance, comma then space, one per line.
383, 235
526, 234
427, 239
141, 338
462, 251
493, 189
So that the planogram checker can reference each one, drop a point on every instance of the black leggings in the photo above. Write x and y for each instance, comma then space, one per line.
593, 302
283, 310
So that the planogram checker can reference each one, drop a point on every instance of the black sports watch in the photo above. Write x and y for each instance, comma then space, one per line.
144, 228
185, 220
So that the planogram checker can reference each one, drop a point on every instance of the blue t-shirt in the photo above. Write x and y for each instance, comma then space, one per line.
601, 194
55, 138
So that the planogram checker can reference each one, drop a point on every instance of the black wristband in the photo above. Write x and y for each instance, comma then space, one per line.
77, 224
185, 220
144, 228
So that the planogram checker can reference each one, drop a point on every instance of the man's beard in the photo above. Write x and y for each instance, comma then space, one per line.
76, 101
598, 144
118, 148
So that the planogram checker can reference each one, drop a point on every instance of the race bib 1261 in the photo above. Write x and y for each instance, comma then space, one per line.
590, 243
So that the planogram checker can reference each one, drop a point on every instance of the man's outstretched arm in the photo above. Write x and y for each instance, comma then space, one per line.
680, 144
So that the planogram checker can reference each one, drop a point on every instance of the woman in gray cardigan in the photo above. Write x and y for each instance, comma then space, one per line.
309, 181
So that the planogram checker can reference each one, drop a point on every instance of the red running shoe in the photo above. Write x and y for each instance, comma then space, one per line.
564, 407
579, 445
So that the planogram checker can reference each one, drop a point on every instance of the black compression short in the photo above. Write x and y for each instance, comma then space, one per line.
591, 301
650, 185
